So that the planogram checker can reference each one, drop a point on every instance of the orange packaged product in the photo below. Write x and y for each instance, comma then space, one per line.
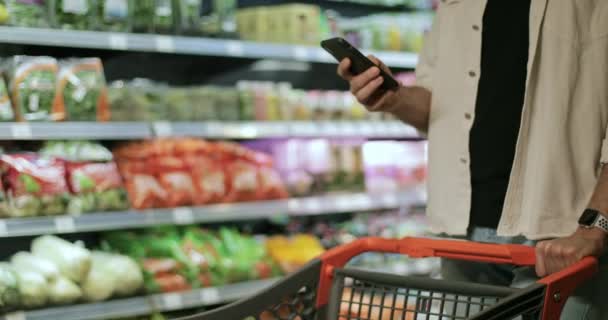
243, 181
175, 178
209, 179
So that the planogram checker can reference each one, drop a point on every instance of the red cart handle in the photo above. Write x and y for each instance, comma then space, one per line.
563, 283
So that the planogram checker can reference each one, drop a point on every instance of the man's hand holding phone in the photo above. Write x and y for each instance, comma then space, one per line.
366, 86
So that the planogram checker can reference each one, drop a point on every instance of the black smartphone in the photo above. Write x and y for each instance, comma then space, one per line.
340, 49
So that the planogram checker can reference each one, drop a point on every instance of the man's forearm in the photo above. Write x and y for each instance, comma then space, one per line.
413, 106
599, 200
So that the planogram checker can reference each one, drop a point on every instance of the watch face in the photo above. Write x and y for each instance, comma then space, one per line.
588, 218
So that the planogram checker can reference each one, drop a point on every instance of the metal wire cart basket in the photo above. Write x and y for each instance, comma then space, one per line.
325, 290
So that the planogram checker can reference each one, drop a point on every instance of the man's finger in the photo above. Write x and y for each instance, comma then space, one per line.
381, 101
379, 63
344, 69
541, 269
360, 81
366, 92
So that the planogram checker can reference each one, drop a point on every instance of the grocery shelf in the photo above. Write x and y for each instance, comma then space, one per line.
184, 45
219, 130
74, 130
208, 214
146, 305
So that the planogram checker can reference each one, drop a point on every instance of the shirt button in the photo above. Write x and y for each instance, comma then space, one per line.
472, 74
468, 116
475, 27
463, 160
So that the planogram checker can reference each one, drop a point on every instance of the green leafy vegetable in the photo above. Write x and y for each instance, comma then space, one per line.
73, 14
27, 13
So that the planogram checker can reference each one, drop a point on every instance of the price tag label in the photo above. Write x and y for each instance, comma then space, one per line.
330, 129
235, 49
213, 129
210, 296
3, 229
349, 129
367, 128
361, 201
15, 316
389, 200
300, 53
343, 203
173, 301
65, 224
165, 44
118, 41
163, 129
183, 215
312, 205
305, 129
21, 131
293, 205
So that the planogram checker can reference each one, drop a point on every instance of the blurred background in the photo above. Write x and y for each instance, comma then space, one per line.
161, 157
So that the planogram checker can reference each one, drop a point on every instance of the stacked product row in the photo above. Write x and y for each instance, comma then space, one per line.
174, 259
80, 177
44, 89
285, 23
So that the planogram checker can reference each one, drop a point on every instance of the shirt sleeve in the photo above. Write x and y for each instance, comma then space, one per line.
600, 62
427, 58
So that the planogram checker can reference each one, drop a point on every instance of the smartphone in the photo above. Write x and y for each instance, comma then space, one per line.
340, 49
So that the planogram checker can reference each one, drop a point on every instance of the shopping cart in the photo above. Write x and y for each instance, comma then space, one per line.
325, 290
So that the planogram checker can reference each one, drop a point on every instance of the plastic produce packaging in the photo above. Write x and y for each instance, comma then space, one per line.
190, 20
92, 177
32, 83
73, 14
137, 100
33, 288
6, 107
72, 260
180, 172
9, 289
115, 15
82, 90
164, 16
35, 185
28, 13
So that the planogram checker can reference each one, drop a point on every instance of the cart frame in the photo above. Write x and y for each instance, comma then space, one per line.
317, 288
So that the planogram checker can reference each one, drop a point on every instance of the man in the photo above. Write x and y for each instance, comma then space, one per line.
513, 96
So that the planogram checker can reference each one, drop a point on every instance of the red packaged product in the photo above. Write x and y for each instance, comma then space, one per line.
92, 176
35, 185
272, 186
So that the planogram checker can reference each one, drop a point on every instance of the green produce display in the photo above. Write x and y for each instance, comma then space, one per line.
9, 290
190, 20
4, 17
6, 107
175, 259
27, 13
73, 14
143, 16
164, 16
115, 15
32, 83
82, 89
136, 100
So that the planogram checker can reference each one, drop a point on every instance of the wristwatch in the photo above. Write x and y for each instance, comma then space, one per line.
593, 219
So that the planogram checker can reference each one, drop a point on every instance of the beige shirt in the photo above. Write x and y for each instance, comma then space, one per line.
562, 141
